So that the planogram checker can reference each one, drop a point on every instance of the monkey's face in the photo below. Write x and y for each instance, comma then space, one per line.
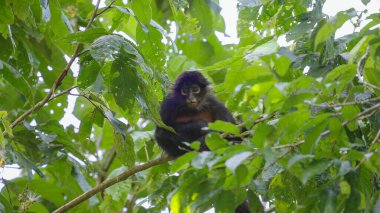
193, 94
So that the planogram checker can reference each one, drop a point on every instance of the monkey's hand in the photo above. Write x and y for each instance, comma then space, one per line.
191, 130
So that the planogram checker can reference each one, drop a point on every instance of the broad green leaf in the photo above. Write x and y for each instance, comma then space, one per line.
182, 162
88, 73
201, 160
87, 36
15, 79
124, 149
342, 73
143, 10
6, 15
348, 114
282, 65
201, 11
151, 46
313, 169
266, 48
312, 137
130, 12
124, 82
85, 126
224, 126
109, 47
118, 126
176, 204
5, 205
236, 160
295, 159
215, 141
261, 134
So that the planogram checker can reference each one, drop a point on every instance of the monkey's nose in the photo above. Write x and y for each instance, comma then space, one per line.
192, 101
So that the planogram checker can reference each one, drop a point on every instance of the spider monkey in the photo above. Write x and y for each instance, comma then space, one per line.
188, 108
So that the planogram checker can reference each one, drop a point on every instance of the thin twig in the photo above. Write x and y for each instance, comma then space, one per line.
110, 182
132, 200
371, 85
377, 137
105, 9
63, 93
288, 145
362, 114
347, 103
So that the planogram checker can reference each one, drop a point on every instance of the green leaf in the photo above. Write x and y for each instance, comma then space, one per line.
130, 12
313, 135
182, 162
236, 160
341, 74
266, 48
143, 10
365, 2
88, 73
151, 46
15, 79
215, 141
124, 82
125, 149
200, 10
3, 114
224, 126
85, 126
295, 159
7, 127
86, 36
313, 169
5, 205
6, 15
259, 137
348, 114
201, 160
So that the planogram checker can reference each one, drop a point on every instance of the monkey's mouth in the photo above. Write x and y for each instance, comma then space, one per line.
192, 103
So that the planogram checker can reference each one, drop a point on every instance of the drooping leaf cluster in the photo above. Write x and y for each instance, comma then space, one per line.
310, 108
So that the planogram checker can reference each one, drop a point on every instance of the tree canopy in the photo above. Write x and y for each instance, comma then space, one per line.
310, 108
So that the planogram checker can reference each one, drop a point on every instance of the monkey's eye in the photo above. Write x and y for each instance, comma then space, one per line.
196, 89
184, 92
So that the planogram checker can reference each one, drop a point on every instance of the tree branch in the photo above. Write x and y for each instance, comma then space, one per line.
110, 182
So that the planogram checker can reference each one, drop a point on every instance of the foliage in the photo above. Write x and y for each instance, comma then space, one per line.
310, 108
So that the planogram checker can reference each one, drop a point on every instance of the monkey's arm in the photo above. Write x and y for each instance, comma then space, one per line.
171, 142
219, 111
191, 130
